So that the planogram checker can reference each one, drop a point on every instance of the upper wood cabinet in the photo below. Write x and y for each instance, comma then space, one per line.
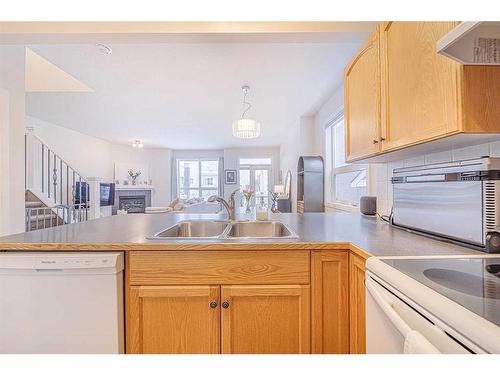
408, 94
265, 319
419, 86
362, 101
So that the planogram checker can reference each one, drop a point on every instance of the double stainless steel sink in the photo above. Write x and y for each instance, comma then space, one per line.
223, 230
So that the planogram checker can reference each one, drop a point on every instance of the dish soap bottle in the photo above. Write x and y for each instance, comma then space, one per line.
261, 210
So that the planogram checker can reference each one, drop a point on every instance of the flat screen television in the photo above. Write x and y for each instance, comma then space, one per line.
107, 194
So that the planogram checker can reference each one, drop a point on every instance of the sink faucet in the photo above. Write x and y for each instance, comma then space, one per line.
230, 207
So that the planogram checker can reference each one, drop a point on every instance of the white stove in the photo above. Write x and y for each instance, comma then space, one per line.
433, 304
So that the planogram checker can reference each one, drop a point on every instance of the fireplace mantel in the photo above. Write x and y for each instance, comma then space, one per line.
134, 187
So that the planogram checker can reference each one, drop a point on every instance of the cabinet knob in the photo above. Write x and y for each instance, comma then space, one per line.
375, 141
213, 304
382, 138
225, 304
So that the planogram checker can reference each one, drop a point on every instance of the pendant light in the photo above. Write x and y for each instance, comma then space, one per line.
137, 144
246, 128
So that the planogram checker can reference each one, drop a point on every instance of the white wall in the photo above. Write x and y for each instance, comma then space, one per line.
12, 108
302, 139
159, 161
233, 155
88, 155
307, 137
94, 157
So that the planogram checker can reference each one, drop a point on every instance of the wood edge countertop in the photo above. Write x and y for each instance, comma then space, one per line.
185, 246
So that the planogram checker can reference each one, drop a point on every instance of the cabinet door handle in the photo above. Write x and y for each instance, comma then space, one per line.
375, 141
225, 304
382, 139
213, 304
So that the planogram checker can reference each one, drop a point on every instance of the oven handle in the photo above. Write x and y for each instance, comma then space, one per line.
393, 316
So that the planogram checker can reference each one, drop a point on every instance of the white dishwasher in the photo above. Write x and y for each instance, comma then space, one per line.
61, 302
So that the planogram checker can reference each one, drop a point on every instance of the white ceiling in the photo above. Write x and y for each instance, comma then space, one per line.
186, 95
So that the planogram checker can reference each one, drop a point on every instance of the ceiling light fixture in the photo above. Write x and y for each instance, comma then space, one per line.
104, 48
137, 144
246, 128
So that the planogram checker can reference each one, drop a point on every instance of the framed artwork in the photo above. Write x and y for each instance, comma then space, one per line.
230, 177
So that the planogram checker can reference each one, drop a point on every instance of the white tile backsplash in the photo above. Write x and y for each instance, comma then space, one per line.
471, 152
495, 149
439, 157
383, 185
418, 160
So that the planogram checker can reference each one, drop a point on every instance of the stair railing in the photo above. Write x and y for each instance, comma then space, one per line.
47, 173
46, 217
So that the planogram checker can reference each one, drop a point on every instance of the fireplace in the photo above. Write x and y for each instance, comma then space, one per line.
135, 204
135, 193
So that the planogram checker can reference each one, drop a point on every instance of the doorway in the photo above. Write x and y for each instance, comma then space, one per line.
255, 174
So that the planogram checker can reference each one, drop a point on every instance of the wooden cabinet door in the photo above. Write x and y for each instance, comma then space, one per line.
362, 101
419, 87
173, 319
330, 301
265, 319
357, 304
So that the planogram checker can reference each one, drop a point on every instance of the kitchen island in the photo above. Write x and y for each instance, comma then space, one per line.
315, 231
298, 295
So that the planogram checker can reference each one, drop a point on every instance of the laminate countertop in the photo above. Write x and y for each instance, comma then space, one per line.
367, 235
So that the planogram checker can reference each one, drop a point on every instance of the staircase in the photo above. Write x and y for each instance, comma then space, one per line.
55, 193
39, 216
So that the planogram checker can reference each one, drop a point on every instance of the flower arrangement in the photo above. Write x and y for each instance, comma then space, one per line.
248, 194
274, 199
133, 175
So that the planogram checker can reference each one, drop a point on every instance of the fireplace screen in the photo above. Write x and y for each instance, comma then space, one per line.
133, 204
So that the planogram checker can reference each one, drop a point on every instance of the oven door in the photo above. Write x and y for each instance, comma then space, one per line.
452, 209
394, 327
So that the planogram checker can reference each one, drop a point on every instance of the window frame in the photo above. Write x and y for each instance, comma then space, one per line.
200, 187
331, 171
251, 170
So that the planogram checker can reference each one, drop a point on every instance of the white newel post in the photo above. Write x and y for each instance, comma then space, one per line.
30, 159
95, 196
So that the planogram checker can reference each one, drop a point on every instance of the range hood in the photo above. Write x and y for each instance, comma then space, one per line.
472, 43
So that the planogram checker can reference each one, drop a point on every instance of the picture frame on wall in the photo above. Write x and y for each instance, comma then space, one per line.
231, 177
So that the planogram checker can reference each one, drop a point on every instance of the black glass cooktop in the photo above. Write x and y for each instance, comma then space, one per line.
473, 283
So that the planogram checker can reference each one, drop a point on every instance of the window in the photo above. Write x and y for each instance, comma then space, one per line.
255, 174
348, 182
197, 178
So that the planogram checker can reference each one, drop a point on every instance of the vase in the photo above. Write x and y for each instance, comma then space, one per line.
133, 182
248, 209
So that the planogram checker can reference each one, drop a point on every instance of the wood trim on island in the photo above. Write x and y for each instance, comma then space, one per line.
245, 302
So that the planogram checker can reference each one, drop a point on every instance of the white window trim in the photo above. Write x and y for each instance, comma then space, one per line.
250, 167
199, 188
331, 171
